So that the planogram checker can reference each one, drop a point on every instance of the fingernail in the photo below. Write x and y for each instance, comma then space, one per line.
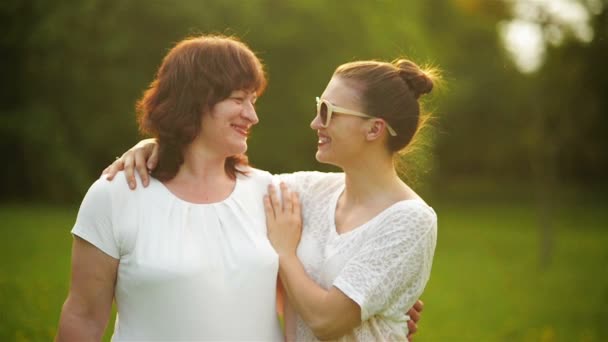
131, 185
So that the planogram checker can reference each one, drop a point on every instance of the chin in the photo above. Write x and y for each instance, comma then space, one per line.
319, 156
334, 158
239, 148
323, 158
243, 148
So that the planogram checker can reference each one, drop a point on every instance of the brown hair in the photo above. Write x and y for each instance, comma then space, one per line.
197, 73
391, 91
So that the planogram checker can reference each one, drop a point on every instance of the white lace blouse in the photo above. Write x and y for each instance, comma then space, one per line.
382, 265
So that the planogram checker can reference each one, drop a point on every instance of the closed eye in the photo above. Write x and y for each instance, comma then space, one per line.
240, 96
237, 99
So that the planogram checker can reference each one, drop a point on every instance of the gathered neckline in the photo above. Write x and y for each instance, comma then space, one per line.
189, 203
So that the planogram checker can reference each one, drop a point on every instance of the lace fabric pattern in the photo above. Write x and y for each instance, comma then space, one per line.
383, 265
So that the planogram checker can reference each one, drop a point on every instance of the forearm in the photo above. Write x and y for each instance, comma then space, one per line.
289, 318
327, 317
78, 325
329, 313
305, 296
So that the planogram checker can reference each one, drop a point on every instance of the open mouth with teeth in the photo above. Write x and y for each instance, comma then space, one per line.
323, 140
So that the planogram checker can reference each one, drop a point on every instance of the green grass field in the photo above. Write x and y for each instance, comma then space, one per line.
486, 283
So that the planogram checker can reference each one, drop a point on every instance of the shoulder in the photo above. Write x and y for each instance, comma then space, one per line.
117, 192
413, 218
118, 185
312, 184
311, 178
255, 176
416, 208
254, 181
102, 188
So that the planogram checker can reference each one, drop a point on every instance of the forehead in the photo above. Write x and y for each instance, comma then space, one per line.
343, 93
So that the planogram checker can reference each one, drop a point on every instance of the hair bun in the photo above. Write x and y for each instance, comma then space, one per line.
419, 81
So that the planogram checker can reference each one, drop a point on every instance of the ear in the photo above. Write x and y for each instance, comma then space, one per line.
375, 129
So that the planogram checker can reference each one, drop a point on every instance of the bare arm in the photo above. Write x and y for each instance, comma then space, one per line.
290, 322
141, 157
86, 311
329, 313
285, 310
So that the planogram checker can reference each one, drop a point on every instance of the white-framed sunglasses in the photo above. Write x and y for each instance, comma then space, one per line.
325, 109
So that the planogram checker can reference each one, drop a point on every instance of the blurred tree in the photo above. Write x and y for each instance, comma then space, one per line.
75, 69
80, 67
571, 122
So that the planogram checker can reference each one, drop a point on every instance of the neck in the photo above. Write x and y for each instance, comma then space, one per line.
201, 165
371, 179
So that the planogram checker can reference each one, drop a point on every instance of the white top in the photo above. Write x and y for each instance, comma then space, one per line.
187, 271
382, 265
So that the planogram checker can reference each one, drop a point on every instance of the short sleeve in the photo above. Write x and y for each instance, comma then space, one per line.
297, 181
94, 221
393, 266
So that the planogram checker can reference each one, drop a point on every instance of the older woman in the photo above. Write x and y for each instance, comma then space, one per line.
186, 258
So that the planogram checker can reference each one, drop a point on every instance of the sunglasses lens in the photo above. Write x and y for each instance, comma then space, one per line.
323, 112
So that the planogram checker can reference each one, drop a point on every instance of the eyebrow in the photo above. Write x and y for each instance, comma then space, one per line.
244, 92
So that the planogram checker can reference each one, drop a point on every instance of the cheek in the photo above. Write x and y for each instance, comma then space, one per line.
348, 131
223, 109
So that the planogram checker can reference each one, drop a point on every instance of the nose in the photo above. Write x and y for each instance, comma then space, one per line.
316, 123
250, 114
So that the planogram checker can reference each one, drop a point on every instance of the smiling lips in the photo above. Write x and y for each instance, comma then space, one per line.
242, 130
323, 139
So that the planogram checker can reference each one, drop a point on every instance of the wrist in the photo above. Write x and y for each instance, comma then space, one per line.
287, 258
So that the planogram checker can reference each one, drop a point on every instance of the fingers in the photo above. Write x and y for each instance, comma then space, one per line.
295, 198
140, 166
274, 199
153, 160
286, 208
129, 167
412, 327
106, 170
268, 209
414, 315
113, 169
287, 199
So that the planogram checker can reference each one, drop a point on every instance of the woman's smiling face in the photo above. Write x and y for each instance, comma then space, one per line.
341, 140
227, 125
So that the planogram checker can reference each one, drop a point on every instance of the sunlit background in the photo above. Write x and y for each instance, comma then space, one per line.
514, 161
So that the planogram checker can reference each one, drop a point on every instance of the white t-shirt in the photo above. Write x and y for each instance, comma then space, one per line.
382, 265
187, 271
